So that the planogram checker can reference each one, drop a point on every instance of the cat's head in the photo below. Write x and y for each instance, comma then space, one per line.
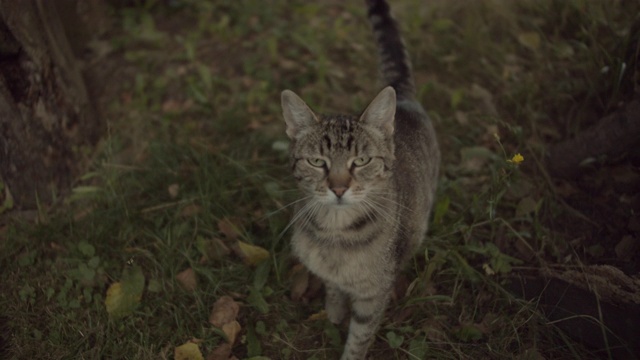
341, 159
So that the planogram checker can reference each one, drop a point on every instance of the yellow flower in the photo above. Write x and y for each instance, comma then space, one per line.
516, 159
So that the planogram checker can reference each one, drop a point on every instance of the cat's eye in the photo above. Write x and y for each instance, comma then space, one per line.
317, 162
361, 161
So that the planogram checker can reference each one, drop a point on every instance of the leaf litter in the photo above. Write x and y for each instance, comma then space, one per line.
188, 280
223, 316
123, 297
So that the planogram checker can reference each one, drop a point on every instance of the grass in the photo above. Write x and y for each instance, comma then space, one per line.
196, 140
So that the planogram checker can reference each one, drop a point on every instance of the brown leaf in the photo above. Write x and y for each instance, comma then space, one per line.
212, 249
228, 228
190, 210
314, 289
57, 247
565, 188
232, 329
188, 279
224, 311
299, 282
173, 190
222, 352
403, 314
82, 213
173, 106
462, 118
627, 247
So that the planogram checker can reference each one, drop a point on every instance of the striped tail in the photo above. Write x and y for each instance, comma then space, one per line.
394, 60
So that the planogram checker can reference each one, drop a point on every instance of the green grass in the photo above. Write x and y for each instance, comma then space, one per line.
200, 111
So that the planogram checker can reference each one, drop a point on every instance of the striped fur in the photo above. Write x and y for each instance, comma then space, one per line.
368, 184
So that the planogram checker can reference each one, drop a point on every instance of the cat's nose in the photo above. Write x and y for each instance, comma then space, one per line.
339, 190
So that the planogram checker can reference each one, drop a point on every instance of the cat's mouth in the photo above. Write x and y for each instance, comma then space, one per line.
341, 202
334, 201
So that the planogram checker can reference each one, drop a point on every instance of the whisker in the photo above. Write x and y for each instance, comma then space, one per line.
381, 195
284, 207
302, 212
381, 210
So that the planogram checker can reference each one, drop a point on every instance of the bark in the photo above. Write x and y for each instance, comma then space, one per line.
48, 124
610, 137
597, 305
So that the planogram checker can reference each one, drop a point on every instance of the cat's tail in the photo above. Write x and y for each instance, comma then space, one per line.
394, 59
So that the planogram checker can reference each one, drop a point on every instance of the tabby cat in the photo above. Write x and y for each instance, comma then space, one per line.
368, 183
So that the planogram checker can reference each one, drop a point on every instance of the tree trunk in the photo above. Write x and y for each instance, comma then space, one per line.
611, 136
48, 124
597, 305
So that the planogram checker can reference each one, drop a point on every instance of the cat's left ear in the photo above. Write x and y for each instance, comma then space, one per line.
296, 113
382, 110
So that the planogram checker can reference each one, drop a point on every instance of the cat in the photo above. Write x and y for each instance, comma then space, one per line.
368, 185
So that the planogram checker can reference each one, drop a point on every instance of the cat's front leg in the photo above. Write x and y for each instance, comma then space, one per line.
335, 303
366, 313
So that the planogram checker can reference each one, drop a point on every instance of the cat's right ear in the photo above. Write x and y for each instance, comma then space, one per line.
296, 113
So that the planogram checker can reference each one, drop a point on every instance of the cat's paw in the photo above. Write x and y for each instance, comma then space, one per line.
335, 304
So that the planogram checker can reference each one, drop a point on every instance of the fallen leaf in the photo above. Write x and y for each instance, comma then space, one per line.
188, 351
627, 247
190, 210
82, 213
231, 330
530, 40
188, 279
254, 124
173, 190
321, 315
222, 352
565, 188
526, 206
57, 247
314, 290
488, 270
486, 96
225, 310
299, 282
251, 254
228, 228
175, 106
124, 296
462, 118
212, 249
403, 314
286, 64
